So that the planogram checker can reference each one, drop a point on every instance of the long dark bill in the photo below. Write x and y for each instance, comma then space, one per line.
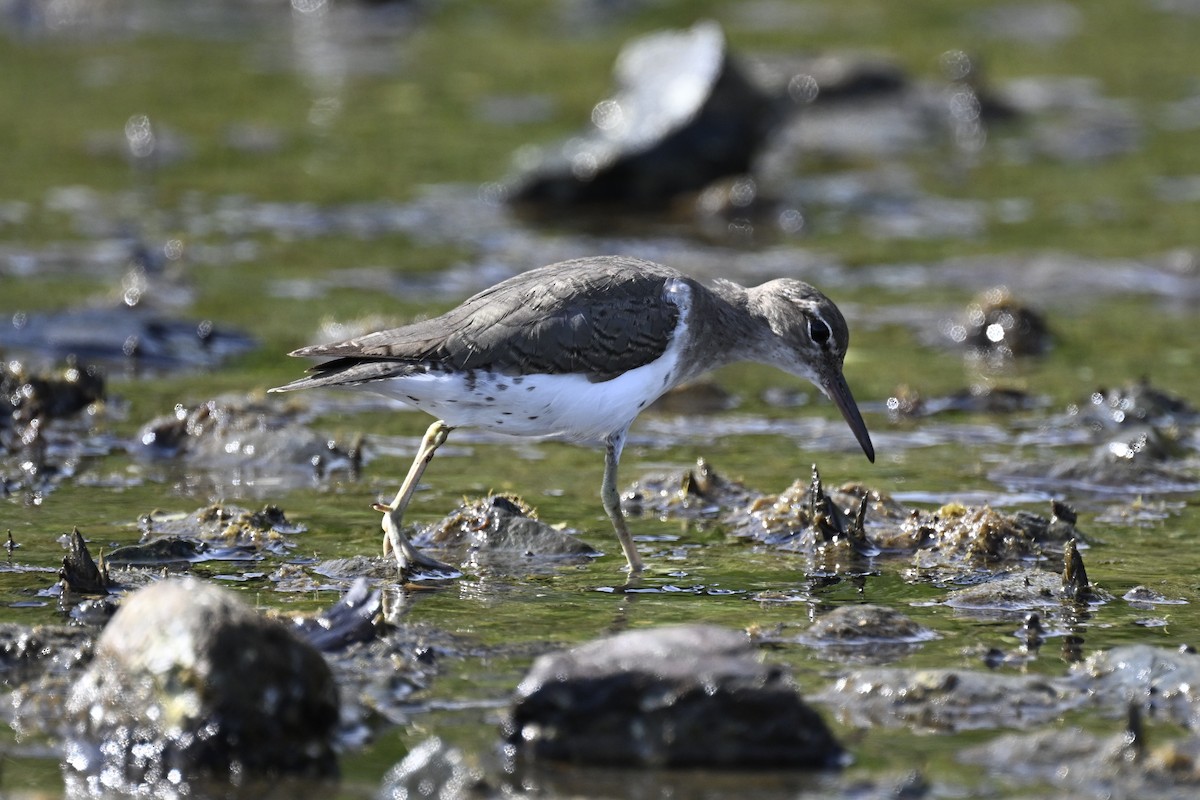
838, 391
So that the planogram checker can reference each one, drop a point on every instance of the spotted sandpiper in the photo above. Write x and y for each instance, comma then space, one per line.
575, 351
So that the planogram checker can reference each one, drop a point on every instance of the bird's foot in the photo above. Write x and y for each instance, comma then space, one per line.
409, 559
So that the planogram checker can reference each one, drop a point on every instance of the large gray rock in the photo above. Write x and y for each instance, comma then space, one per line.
693, 695
188, 683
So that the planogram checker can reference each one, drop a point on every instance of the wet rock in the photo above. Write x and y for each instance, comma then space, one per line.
188, 683
684, 696
700, 492
216, 531
865, 624
29, 399
944, 699
683, 115
163, 553
907, 402
1029, 589
26, 653
1132, 405
1144, 597
244, 441
1137, 461
500, 528
981, 536
864, 634
133, 337
1075, 584
1088, 765
38, 666
43, 434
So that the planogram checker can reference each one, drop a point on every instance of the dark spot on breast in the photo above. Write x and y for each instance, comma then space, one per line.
532, 418
517, 381
642, 404
412, 399
489, 399
500, 387
530, 388
506, 413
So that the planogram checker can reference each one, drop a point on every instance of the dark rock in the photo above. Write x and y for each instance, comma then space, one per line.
682, 696
684, 115
188, 683
27, 398
997, 326
352, 619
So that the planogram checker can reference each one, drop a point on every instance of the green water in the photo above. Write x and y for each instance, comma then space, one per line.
66, 95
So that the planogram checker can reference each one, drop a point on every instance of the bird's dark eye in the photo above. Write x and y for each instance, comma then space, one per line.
818, 330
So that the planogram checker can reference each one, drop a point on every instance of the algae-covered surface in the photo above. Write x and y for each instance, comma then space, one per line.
188, 192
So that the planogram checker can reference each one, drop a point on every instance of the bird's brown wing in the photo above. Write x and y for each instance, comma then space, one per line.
598, 317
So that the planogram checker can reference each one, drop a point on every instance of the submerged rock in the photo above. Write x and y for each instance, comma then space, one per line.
220, 531
188, 683
1164, 683
247, 442
688, 696
133, 337
944, 699
684, 114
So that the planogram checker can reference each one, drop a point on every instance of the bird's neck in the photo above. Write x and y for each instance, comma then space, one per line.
724, 327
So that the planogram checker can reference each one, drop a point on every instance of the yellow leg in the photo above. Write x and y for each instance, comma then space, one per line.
394, 540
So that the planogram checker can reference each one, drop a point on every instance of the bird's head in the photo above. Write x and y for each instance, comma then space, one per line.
809, 340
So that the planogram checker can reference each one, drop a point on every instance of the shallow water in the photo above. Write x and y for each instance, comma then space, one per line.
273, 171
